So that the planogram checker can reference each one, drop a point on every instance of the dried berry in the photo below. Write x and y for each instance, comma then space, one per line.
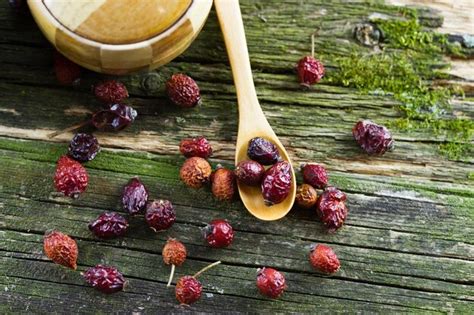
19, 6
315, 175
249, 172
374, 139
106, 279
71, 177
195, 172
331, 208
110, 92
134, 196
109, 225
83, 147
218, 233
67, 72
310, 71
115, 118
276, 183
223, 184
174, 254
183, 90
160, 215
195, 147
324, 259
61, 249
306, 196
270, 282
263, 151
188, 290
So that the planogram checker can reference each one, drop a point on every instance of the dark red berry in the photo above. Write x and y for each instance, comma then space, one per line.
374, 139
263, 151
223, 184
109, 225
249, 172
218, 233
276, 183
331, 208
61, 249
115, 118
83, 147
71, 177
270, 282
324, 259
106, 279
67, 72
315, 175
195, 147
134, 196
110, 92
160, 215
19, 6
310, 71
183, 90
188, 290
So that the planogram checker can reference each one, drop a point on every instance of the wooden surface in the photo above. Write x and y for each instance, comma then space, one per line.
407, 245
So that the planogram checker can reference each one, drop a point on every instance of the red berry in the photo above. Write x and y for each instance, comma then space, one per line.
263, 151
71, 177
195, 147
105, 278
223, 184
61, 249
83, 147
249, 172
195, 172
315, 175
67, 72
270, 282
116, 118
110, 92
324, 259
134, 196
218, 233
188, 290
276, 183
331, 208
374, 139
160, 215
183, 90
109, 225
310, 71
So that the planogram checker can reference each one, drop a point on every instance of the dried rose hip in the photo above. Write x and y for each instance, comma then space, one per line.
374, 139
109, 225
67, 72
115, 118
174, 254
195, 172
324, 259
188, 290
249, 172
83, 147
263, 151
306, 196
71, 177
331, 208
106, 279
134, 196
183, 90
160, 215
218, 233
270, 282
276, 183
315, 175
223, 184
61, 249
110, 92
195, 147
310, 71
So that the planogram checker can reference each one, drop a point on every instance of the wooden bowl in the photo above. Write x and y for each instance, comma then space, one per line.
120, 36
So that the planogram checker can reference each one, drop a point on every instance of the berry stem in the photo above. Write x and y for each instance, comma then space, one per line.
171, 275
312, 41
74, 127
206, 268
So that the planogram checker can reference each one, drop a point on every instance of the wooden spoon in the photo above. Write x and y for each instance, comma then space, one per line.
252, 121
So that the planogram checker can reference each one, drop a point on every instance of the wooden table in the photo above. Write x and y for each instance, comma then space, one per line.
407, 245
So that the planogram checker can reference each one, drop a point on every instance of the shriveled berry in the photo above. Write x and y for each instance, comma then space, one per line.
83, 147
276, 183
188, 290
160, 215
106, 279
218, 233
183, 90
306, 196
195, 172
61, 249
116, 118
134, 196
372, 138
195, 147
109, 225
315, 175
223, 184
310, 71
270, 282
67, 72
19, 6
263, 151
110, 92
174, 254
249, 172
71, 177
324, 259
331, 208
